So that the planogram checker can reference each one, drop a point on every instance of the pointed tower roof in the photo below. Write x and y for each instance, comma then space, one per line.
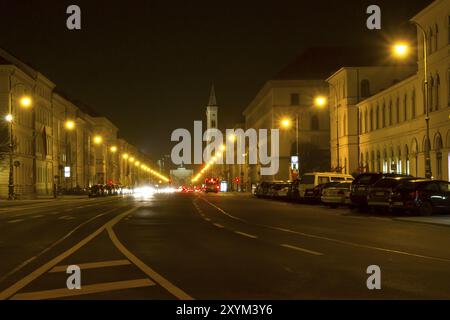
212, 97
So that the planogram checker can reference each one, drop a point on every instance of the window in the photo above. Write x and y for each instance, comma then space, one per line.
383, 116
430, 94
377, 118
390, 112
314, 123
413, 104
371, 120
436, 92
365, 88
436, 37
397, 110
295, 99
405, 107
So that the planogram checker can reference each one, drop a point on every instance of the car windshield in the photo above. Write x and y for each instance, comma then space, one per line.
307, 179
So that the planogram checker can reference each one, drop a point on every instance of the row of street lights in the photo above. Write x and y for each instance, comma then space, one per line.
25, 102
216, 157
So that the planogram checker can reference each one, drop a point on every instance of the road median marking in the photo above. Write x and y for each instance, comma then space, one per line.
218, 225
10, 291
163, 282
93, 265
86, 289
301, 249
246, 234
15, 221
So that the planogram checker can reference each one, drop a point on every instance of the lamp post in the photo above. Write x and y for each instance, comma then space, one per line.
320, 102
401, 50
286, 124
25, 102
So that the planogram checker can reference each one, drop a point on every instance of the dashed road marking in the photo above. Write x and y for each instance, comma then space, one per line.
15, 221
301, 249
246, 234
218, 225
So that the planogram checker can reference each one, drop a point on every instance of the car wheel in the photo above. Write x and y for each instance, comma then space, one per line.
426, 209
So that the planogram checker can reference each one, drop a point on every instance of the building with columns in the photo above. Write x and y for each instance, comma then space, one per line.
381, 110
58, 144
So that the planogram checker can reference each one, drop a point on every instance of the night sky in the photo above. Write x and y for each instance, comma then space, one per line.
148, 65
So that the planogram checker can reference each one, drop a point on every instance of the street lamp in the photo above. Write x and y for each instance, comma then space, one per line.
113, 149
320, 102
286, 124
24, 102
400, 50
70, 125
98, 139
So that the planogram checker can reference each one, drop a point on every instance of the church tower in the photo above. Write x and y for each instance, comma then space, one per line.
212, 120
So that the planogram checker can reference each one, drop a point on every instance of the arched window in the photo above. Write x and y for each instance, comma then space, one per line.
405, 107
314, 122
397, 110
377, 118
383, 115
365, 88
436, 37
431, 94
390, 112
430, 41
413, 104
436, 92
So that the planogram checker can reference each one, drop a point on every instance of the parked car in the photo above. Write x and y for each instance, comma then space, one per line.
380, 192
422, 196
310, 180
337, 194
280, 190
361, 187
263, 189
314, 195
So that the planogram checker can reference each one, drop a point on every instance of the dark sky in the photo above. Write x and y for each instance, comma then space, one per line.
148, 65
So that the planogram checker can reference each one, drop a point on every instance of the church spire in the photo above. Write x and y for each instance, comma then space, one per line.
212, 97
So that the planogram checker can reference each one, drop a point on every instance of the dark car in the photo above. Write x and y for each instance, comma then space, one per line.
314, 195
361, 186
422, 196
280, 190
96, 191
263, 190
380, 192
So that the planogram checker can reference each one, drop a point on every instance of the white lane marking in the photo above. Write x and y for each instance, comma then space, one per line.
26, 262
10, 291
37, 216
163, 282
207, 219
348, 243
15, 221
301, 249
218, 225
66, 218
246, 235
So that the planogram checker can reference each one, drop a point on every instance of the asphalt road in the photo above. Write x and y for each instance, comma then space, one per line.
216, 246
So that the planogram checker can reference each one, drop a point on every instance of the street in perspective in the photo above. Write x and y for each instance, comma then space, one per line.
205, 153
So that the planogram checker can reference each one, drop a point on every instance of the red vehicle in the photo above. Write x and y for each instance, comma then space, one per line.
211, 185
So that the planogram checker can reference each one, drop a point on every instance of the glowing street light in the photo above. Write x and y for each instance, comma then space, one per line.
125, 156
69, 124
98, 139
25, 102
286, 123
400, 49
113, 149
9, 117
320, 101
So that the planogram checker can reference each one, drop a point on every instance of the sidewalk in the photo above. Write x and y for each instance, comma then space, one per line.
23, 202
436, 220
